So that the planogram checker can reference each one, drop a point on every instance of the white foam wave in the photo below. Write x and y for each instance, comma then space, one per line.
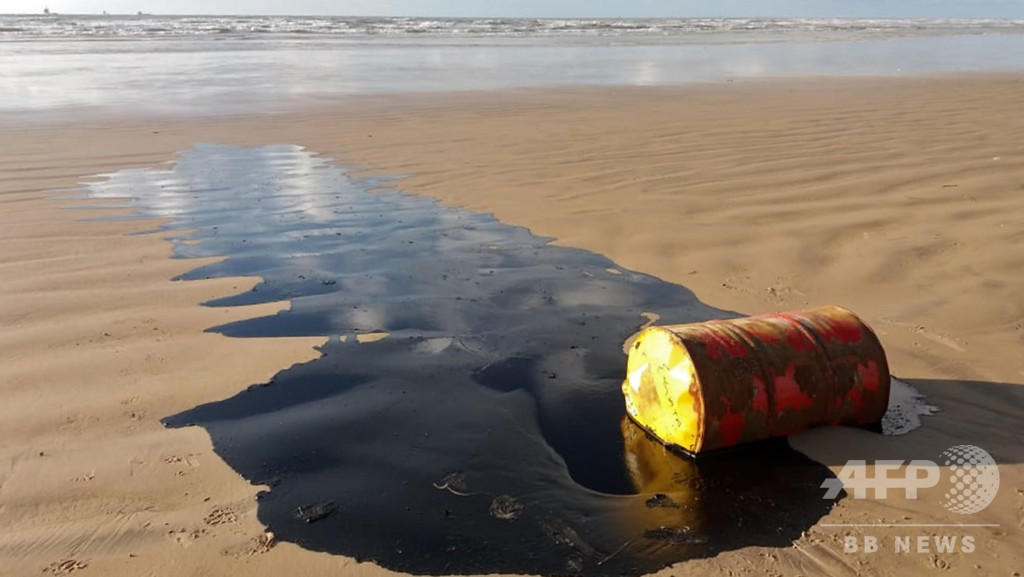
29, 27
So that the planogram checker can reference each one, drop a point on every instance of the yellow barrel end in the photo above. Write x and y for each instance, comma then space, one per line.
662, 390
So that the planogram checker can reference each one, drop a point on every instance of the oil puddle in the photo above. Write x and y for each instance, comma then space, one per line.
465, 415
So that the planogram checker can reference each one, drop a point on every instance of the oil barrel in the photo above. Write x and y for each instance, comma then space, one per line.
717, 384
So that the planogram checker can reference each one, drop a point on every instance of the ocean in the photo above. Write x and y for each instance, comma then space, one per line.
242, 64
698, 29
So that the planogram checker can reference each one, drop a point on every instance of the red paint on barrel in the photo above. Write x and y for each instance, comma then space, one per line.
799, 342
730, 427
788, 396
869, 376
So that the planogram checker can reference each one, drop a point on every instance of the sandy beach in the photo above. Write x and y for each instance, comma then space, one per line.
897, 198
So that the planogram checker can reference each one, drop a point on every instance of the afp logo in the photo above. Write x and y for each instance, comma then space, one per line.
973, 479
968, 475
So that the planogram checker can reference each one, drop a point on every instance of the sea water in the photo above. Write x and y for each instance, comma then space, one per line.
233, 64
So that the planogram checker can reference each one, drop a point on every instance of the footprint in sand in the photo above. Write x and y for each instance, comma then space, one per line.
192, 459
255, 546
184, 537
66, 567
136, 415
221, 516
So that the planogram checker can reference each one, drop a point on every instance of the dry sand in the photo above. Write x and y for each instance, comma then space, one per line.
900, 199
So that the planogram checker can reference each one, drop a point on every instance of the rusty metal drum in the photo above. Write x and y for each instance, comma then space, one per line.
706, 386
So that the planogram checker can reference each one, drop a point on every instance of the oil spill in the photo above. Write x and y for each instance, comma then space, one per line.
485, 433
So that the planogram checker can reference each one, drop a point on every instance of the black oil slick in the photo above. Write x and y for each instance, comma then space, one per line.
485, 432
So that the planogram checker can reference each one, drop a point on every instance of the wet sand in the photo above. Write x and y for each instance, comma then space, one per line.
894, 198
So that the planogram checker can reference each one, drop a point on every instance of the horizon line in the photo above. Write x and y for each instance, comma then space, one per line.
664, 17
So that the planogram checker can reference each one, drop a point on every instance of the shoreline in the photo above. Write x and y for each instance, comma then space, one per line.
777, 195
107, 116
125, 113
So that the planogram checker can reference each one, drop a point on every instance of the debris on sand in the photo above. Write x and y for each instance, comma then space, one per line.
506, 507
316, 511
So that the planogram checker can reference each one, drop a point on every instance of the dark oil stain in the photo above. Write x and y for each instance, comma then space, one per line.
485, 433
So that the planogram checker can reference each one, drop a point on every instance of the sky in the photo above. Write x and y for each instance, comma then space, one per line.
542, 8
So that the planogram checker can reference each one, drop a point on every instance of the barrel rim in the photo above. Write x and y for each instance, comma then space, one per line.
696, 389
